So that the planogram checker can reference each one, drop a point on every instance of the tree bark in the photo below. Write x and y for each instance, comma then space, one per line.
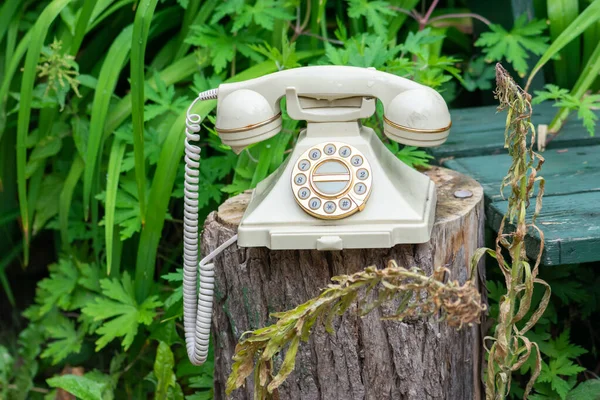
365, 358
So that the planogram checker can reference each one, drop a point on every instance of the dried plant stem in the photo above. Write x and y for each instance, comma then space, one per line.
510, 348
416, 295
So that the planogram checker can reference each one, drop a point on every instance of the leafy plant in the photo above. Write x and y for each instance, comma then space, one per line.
420, 296
92, 102
513, 46
511, 348
585, 78
584, 106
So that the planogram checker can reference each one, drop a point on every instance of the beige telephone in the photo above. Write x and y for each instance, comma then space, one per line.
339, 188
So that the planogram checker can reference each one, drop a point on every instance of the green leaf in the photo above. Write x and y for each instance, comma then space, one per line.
479, 75
67, 339
588, 390
119, 311
38, 35
221, 45
164, 99
263, 13
410, 155
589, 16
284, 59
46, 206
166, 386
127, 210
112, 183
6, 366
562, 347
552, 92
141, 28
556, 368
80, 386
109, 74
57, 289
375, 13
65, 199
514, 45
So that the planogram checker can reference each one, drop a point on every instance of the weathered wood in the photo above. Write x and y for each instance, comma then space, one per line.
569, 218
366, 358
480, 131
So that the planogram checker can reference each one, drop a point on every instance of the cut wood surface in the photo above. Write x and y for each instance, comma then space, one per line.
365, 358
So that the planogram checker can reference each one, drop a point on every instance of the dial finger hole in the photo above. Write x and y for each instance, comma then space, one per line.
329, 149
356, 161
304, 193
304, 165
345, 204
360, 188
315, 154
345, 151
300, 179
314, 203
362, 174
329, 207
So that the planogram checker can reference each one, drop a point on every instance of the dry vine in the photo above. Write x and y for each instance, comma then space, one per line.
419, 295
510, 347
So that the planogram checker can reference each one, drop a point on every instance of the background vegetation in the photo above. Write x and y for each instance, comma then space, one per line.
92, 100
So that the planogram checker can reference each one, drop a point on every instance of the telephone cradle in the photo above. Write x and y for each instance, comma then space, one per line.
339, 188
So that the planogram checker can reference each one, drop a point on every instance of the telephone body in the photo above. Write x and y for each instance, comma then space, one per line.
339, 188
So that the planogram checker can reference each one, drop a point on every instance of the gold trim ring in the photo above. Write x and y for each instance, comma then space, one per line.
416, 130
248, 127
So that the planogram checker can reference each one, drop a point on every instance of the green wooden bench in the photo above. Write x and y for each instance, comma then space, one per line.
570, 216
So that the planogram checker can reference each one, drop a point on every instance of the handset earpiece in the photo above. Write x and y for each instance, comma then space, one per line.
417, 117
245, 117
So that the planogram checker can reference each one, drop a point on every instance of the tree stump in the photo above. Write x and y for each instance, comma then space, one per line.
366, 357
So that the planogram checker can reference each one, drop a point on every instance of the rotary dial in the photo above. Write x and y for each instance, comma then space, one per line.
332, 180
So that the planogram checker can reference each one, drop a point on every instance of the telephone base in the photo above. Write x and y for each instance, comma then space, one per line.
400, 208
357, 236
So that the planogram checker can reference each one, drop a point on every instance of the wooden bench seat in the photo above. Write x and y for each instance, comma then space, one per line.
570, 216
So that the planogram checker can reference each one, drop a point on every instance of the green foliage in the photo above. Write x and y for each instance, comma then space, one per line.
119, 311
166, 381
500, 44
572, 286
92, 103
375, 13
562, 98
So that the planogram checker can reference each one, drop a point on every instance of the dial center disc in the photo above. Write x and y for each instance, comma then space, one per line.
331, 178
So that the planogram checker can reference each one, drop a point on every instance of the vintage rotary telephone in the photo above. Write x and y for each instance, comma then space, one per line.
339, 188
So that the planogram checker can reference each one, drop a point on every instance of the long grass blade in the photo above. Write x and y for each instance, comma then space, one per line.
164, 179
66, 197
38, 36
98, 18
589, 16
115, 159
82, 25
176, 72
107, 80
141, 28
12, 254
9, 217
561, 13
7, 12
8, 77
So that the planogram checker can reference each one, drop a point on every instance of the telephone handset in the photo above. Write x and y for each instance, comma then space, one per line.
339, 188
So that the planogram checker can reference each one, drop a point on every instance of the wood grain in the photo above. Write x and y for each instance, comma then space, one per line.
365, 358
570, 216
480, 131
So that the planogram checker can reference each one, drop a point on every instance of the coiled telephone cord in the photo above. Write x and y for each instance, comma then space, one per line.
197, 307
